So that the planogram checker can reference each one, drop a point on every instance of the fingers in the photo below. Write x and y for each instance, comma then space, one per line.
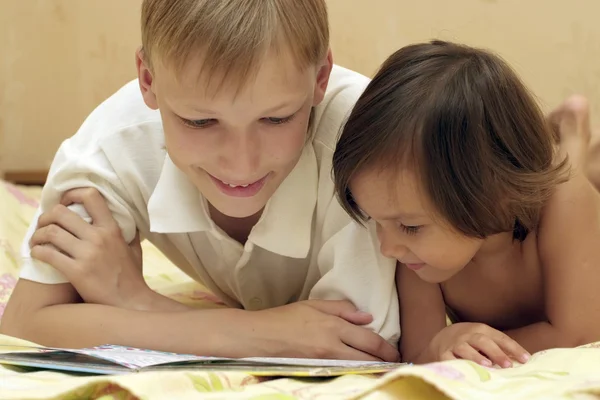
370, 343
62, 240
357, 317
490, 349
67, 219
447, 356
466, 352
349, 353
343, 309
50, 255
512, 348
93, 202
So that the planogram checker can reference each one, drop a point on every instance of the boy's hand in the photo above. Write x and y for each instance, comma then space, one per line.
320, 329
477, 342
94, 257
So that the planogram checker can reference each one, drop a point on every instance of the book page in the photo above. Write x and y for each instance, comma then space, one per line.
138, 358
312, 362
111, 359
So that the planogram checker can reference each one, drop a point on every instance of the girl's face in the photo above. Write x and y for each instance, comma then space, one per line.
408, 229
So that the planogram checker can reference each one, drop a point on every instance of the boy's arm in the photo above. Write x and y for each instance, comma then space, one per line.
352, 268
53, 317
94, 257
422, 315
50, 314
309, 329
568, 244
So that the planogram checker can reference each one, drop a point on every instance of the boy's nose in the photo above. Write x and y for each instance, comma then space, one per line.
242, 157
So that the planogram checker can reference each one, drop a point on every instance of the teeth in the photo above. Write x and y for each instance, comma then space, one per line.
234, 186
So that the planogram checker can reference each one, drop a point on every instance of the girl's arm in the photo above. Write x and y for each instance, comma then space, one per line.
422, 315
569, 247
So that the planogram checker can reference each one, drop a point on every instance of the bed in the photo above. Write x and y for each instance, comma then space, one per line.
556, 374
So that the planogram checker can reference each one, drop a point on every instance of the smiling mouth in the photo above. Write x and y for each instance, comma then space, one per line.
234, 186
242, 185
239, 189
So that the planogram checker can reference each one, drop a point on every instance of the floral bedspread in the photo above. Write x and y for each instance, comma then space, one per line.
555, 374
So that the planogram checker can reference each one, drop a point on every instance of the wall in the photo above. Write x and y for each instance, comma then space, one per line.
60, 58
553, 44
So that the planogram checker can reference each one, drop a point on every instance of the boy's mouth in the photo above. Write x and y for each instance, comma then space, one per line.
239, 189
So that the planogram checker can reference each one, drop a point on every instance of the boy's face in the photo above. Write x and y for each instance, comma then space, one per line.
236, 145
406, 229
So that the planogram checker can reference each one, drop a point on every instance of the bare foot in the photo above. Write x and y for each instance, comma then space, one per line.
592, 163
571, 120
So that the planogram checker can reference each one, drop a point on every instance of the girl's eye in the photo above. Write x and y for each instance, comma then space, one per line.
410, 230
199, 123
278, 121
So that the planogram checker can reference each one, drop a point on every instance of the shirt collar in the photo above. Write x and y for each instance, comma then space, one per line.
176, 205
285, 227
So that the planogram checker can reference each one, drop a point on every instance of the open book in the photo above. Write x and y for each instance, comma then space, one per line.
109, 359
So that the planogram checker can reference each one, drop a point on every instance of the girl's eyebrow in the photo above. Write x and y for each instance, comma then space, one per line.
399, 215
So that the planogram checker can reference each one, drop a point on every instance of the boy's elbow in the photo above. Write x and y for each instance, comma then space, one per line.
25, 303
24, 323
13, 323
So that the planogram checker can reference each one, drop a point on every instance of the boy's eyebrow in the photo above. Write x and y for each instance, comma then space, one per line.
202, 110
281, 106
270, 110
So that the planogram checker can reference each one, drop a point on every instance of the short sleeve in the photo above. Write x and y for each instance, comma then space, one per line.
353, 269
75, 167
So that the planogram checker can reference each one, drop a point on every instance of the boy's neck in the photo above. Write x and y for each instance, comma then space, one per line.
237, 228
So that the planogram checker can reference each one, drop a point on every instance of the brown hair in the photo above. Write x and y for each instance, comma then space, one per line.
481, 146
232, 36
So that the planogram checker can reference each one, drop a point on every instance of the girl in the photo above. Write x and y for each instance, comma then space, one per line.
447, 153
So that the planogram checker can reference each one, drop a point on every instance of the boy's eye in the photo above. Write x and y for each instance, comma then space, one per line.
199, 123
278, 121
410, 230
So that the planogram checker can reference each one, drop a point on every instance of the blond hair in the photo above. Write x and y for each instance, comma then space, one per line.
233, 36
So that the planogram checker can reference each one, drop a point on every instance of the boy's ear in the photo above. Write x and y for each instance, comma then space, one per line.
145, 80
323, 74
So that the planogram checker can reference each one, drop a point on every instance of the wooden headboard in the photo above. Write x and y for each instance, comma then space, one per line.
37, 178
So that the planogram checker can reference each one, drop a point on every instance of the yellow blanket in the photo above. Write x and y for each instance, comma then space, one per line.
556, 374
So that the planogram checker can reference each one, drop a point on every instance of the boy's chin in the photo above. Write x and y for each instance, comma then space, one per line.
238, 207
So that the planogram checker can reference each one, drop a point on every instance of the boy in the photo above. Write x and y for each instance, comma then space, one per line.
223, 162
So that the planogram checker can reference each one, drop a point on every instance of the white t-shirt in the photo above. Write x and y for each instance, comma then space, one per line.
304, 245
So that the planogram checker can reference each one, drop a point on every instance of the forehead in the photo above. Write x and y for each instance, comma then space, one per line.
275, 79
388, 194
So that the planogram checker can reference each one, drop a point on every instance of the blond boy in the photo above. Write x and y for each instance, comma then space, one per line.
220, 154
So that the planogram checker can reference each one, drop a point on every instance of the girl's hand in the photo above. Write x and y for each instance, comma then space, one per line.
479, 343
